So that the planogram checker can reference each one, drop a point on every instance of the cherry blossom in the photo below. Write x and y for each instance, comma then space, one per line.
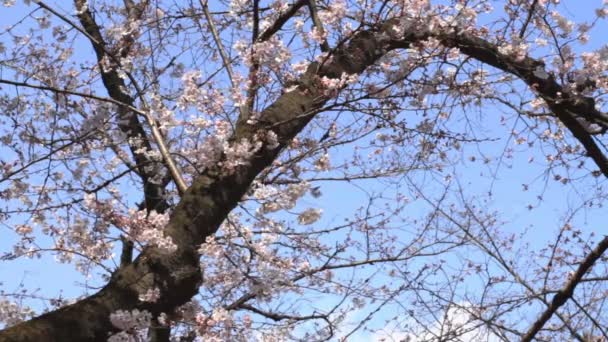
304, 170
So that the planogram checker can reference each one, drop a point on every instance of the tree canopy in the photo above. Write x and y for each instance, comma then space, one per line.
305, 170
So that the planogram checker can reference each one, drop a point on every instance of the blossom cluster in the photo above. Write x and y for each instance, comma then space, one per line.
332, 86
271, 53
140, 226
11, 313
273, 198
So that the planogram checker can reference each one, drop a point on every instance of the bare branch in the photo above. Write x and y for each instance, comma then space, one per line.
563, 295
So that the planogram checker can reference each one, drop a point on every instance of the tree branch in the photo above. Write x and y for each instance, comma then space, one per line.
563, 295
312, 6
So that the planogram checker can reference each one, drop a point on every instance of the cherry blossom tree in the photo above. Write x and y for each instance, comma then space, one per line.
181, 154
